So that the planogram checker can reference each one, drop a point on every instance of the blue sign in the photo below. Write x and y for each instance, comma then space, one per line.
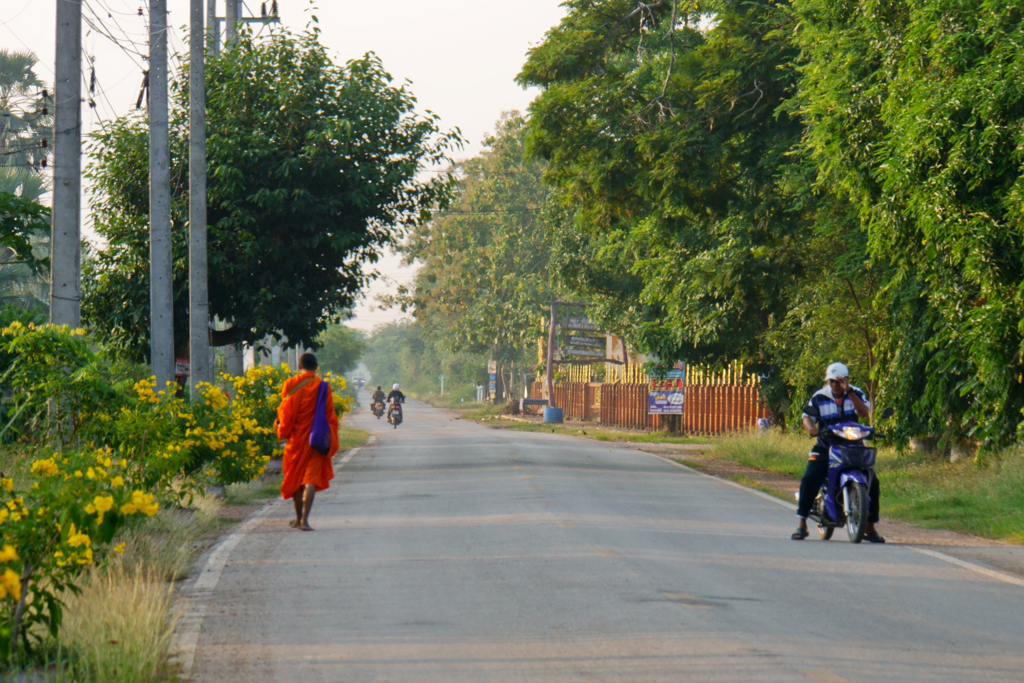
667, 394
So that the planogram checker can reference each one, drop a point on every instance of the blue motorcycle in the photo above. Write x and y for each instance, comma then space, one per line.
843, 499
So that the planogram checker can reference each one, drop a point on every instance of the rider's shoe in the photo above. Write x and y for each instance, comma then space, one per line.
800, 534
873, 537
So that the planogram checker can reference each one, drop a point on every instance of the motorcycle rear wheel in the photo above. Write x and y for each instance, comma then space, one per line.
857, 522
825, 531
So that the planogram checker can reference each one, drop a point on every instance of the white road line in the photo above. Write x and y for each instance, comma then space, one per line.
762, 494
186, 635
991, 573
964, 564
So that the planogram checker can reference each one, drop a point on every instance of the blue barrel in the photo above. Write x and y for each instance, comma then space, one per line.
552, 415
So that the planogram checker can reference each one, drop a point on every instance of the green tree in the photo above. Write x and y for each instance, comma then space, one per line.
25, 125
484, 282
916, 110
340, 348
313, 170
669, 146
405, 352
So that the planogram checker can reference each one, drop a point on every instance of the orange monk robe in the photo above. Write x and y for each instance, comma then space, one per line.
302, 464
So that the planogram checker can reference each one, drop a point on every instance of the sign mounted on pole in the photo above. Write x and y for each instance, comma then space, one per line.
579, 339
666, 394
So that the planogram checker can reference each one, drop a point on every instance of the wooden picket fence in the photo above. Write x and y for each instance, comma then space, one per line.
708, 408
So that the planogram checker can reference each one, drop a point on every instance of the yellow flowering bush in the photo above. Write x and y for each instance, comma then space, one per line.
54, 381
56, 522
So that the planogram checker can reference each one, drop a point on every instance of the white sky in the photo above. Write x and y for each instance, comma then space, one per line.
461, 56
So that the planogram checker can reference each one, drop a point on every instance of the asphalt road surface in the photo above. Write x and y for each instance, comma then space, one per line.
450, 552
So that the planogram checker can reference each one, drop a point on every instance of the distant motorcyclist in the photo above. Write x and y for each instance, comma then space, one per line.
396, 398
379, 395
838, 401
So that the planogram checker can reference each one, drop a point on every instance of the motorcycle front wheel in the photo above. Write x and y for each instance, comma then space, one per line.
857, 521
825, 531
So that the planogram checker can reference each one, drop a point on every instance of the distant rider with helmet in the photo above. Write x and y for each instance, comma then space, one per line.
395, 398
838, 401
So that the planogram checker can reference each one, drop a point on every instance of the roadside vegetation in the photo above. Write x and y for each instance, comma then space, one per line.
103, 481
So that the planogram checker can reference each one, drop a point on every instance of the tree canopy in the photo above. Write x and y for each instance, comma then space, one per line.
313, 170
484, 283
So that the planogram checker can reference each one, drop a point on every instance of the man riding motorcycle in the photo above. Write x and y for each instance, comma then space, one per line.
378, 397
395, 398
838, 401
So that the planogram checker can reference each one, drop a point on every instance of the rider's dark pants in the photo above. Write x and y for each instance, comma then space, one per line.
816, 474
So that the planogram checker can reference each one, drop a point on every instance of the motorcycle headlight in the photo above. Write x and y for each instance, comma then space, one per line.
854, 433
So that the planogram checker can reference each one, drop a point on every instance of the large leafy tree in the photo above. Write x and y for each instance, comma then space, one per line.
313, 169
668, 140
693, 214
484, 281
917, 111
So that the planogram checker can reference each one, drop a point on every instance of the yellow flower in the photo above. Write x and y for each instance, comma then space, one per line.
8, 554
47, 467
59, 556
76, 540
119, 548
3, 515
129, 509
102, 504
117, 482
8, 484
90, 473
144, 503
90, 509
10, 584
86, 557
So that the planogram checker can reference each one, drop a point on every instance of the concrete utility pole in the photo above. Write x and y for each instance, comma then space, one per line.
66, 240
212, 29
161, 280
232, 15
200, 353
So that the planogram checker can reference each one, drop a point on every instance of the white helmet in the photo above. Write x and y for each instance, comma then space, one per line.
395, 386
836, 371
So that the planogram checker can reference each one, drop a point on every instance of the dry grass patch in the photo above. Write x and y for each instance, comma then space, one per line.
119, 627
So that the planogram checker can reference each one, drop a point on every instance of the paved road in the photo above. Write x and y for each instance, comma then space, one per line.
450, 552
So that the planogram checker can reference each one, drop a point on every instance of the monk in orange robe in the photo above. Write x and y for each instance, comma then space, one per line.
306, 470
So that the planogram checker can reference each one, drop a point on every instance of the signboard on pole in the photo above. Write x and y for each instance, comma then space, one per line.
666, 394
579, 339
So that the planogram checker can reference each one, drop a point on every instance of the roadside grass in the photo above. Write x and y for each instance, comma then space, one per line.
119, 627
924, 490
584, 429
482, 411
457, 399
350, 437
985, 500
775, 451
244, 493
163, 544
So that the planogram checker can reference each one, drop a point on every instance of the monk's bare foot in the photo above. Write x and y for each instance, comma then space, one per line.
294, 524
305, 527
